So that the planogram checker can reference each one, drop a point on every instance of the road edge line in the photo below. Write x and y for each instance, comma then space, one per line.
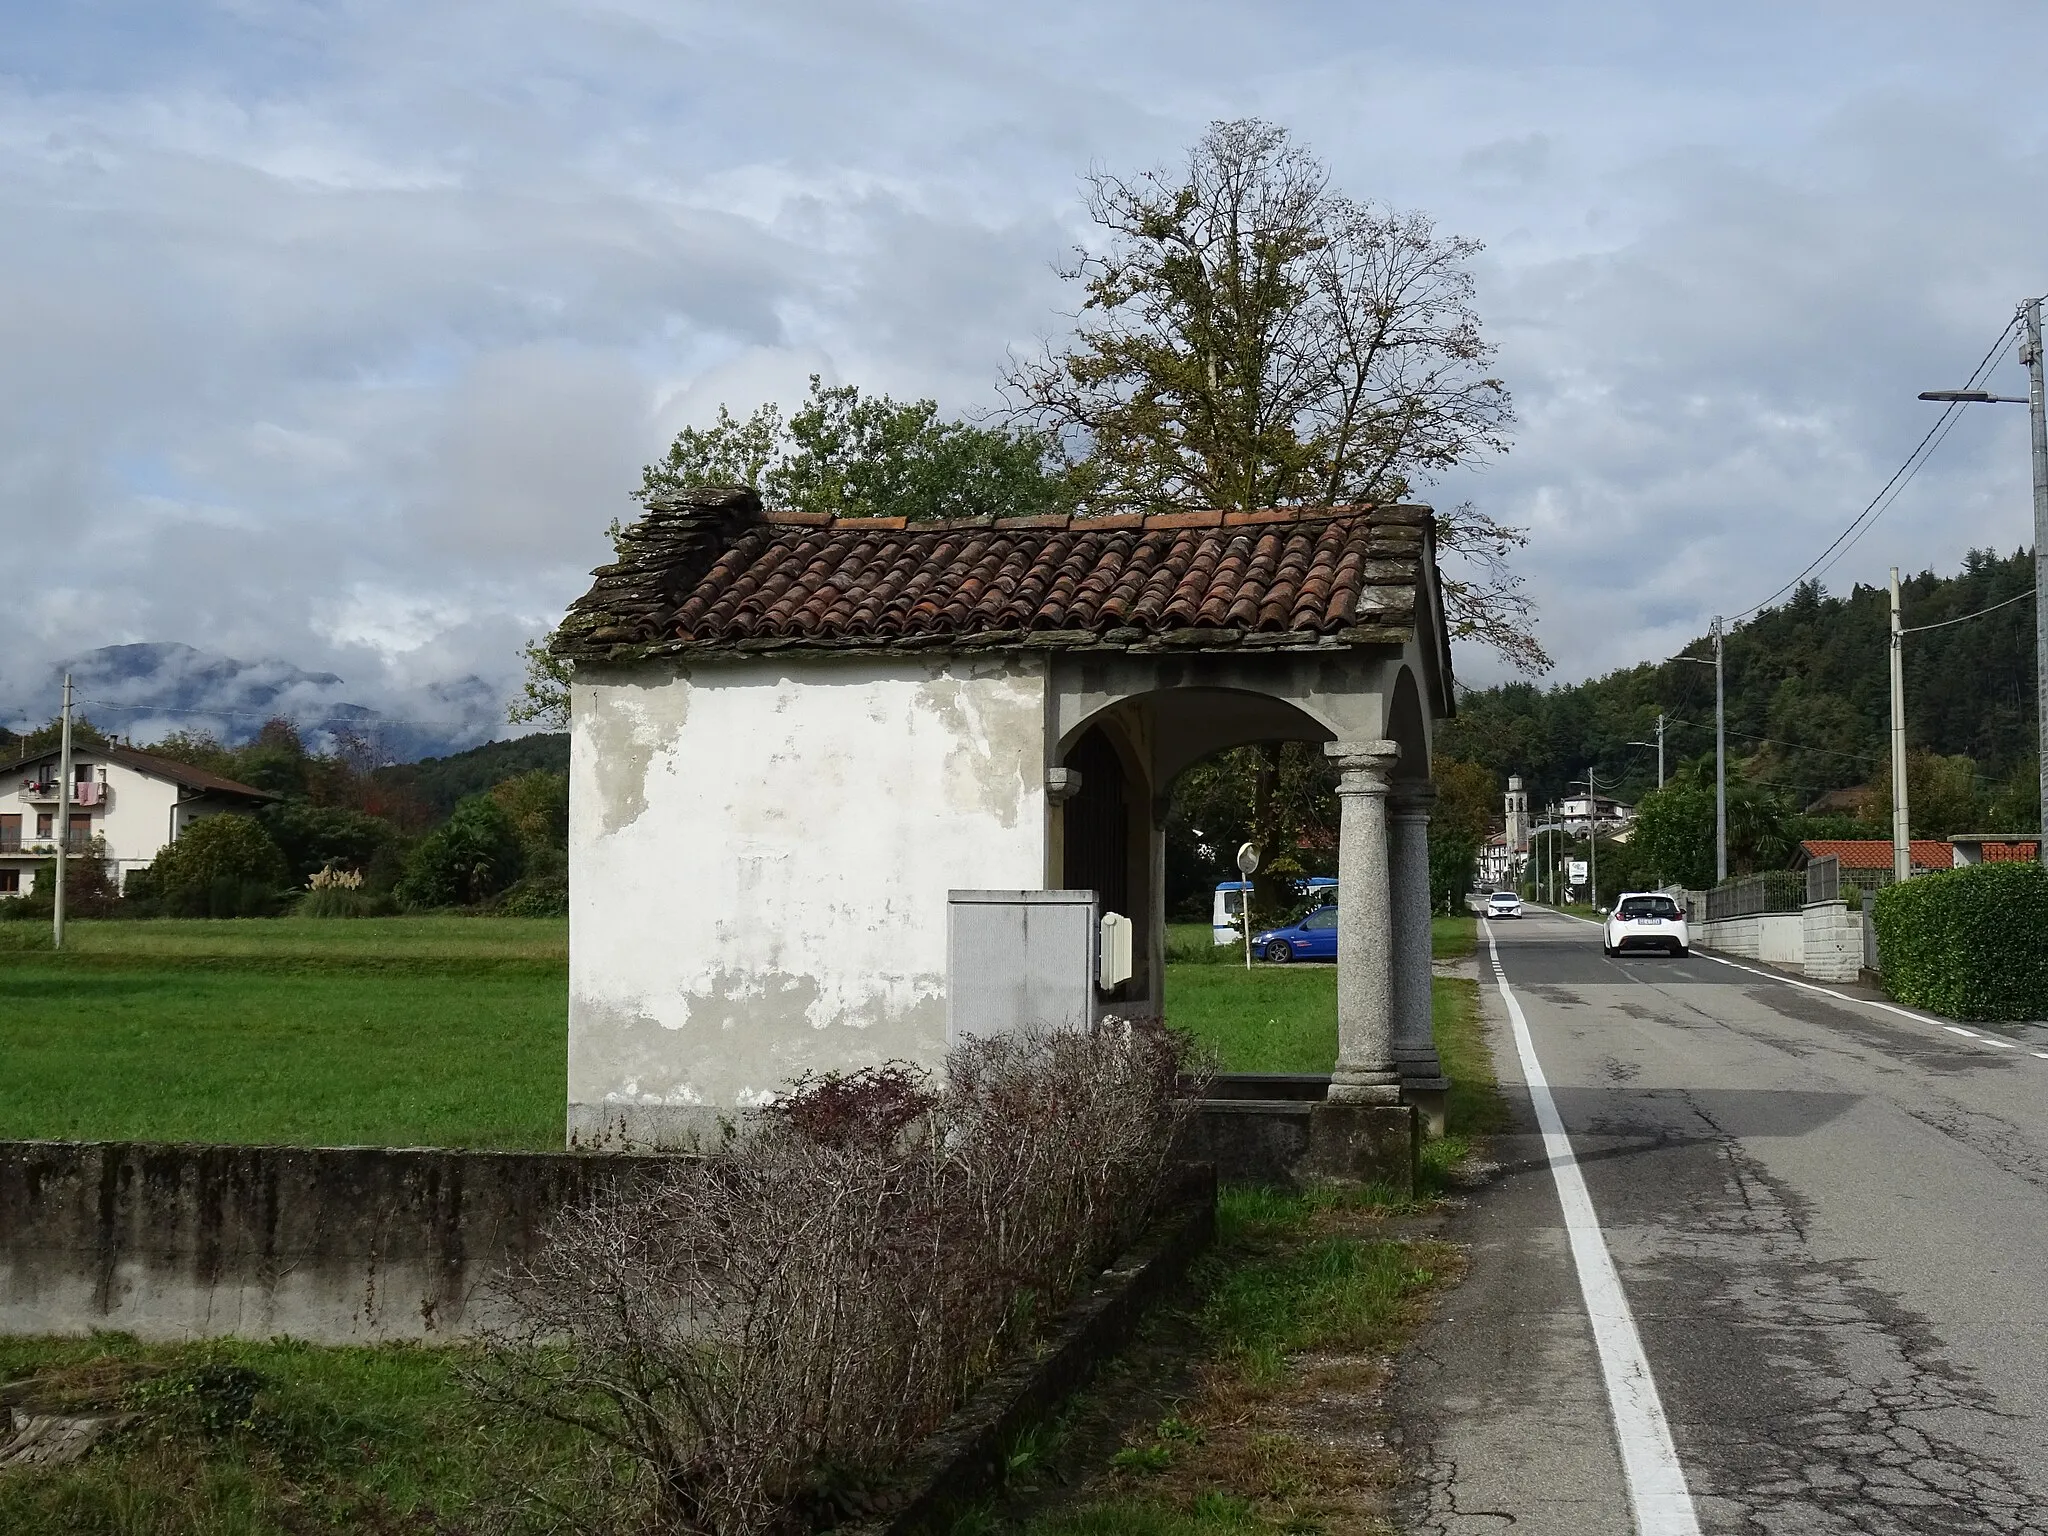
1649, 1460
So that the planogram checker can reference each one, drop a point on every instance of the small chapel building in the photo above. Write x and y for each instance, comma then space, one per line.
794, 735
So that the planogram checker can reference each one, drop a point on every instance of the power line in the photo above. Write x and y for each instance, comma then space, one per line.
1878, 504
1944, 624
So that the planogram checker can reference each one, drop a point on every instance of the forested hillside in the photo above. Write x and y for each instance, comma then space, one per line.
1808, 704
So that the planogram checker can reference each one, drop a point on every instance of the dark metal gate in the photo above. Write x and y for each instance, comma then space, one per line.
1096, 852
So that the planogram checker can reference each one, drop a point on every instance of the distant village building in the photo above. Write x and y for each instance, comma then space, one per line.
127, 803
1575, 813
794, 735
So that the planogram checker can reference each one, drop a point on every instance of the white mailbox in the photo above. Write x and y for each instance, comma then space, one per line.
1113, 953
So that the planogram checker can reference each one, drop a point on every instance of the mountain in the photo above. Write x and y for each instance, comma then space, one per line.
1808, 697
146, 691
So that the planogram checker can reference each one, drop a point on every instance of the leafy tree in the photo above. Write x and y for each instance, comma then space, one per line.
312, 837
469, 858
1250, 337
200, 749
537, 803
863, 456
1466, 796
50, 735
1674, 835
220, 848
277, 760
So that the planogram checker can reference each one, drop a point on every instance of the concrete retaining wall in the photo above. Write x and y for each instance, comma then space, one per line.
333, 1245
1777, 938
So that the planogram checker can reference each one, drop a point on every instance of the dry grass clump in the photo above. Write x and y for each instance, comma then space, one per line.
764, 1333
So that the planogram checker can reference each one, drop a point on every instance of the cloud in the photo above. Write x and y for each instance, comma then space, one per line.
338, 334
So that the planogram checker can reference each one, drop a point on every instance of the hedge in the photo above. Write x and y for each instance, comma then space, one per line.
1968, 943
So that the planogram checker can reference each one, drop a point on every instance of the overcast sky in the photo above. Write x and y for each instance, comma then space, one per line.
338, 333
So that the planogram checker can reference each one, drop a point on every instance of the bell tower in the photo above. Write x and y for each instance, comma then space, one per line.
1517, 815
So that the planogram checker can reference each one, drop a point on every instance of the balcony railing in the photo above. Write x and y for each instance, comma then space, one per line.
74, 842
90, 792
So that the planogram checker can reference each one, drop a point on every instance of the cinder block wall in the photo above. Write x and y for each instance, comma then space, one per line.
1834, 940
348, 1245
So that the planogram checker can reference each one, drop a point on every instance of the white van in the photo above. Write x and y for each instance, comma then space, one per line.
1229, 904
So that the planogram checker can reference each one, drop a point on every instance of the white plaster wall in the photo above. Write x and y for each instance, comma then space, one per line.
1781, 939
759, 859
135, 818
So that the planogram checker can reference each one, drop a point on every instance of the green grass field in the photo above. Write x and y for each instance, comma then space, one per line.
433, 1031
384, 1031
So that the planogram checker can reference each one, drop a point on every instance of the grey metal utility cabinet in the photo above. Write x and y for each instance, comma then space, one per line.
1019, 960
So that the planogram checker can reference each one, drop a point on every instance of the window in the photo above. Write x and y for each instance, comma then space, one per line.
1233, 903
81, 772
46, 823
1322, 920
81, 829
10, 831
10, 882
1649, 906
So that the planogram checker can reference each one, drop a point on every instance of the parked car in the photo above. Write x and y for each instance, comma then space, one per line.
1311, 937
1645, 920
1503, 904
1227, 917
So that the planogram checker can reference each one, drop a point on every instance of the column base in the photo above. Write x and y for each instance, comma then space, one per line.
1357, 1144
1364, 1085
1429, 1095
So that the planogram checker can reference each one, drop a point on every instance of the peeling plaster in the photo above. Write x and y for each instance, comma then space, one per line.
760, 864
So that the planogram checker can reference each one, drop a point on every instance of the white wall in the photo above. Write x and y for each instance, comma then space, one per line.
134, 818
760, 853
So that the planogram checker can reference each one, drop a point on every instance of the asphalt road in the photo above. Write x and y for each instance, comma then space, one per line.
1829, 1222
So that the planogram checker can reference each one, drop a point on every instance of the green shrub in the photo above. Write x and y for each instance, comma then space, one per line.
1968, 943
468, 859
227, 847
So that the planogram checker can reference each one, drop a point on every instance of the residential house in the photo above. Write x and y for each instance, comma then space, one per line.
1867, 861
126, 802
794, 735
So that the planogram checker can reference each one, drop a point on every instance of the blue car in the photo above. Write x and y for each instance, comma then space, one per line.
1312, 937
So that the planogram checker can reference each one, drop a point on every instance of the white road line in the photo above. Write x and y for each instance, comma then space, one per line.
1656, 1482
1840, 997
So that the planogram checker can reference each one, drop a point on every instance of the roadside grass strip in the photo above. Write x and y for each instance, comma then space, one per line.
1656, 1482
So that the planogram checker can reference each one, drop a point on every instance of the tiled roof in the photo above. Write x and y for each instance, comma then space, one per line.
146, 762
1876, 853
716, 573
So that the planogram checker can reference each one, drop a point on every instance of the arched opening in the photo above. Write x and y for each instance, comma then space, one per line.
1095, 841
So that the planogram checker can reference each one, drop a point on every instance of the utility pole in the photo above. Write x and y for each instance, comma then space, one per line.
2030, 354
1660, 749
63, 818
1720, 762
1902, 847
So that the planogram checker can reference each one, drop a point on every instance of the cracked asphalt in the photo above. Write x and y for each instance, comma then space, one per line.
1832, 1228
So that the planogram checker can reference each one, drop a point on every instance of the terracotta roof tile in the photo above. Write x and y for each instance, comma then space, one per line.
712, 571
1876, 853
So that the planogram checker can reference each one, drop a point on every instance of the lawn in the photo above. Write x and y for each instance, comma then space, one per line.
281, 1438
383, 1031
431, 1031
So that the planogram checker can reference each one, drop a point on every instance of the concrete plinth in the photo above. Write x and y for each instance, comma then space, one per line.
1363, 1144
1429, 1097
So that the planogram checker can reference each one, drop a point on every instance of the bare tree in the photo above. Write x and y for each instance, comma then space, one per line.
1250, 338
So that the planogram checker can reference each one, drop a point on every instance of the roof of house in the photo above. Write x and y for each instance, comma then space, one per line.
1876, 853
148, 762
714, 572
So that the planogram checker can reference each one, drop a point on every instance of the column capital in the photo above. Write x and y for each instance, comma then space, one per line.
1367, 766
1411, 799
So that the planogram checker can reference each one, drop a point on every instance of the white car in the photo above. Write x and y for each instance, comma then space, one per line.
1645, 920
1503, 904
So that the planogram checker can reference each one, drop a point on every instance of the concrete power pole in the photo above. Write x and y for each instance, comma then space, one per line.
2030, 353
63, 818
1902, 845
1720, 762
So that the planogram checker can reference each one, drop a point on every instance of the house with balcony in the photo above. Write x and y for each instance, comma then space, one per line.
125, 802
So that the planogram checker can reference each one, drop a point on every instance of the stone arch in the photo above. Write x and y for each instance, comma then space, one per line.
1408, 727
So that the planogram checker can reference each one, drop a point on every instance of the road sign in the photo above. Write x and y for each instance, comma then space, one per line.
1575, 871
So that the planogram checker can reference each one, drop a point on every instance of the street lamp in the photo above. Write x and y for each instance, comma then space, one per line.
1720, 754
2030, 354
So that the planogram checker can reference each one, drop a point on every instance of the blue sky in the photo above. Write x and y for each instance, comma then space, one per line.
338, 333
